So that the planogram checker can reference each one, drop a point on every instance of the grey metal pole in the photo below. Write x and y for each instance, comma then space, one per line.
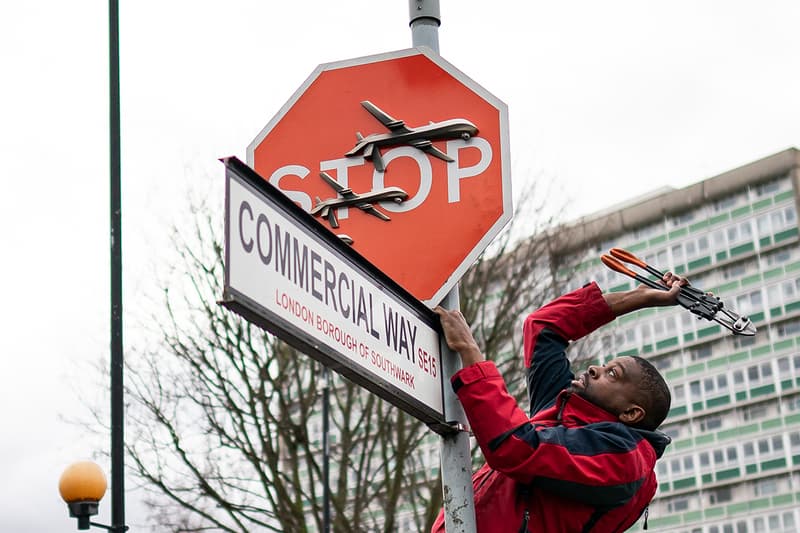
116, 366
459, 503
424, 19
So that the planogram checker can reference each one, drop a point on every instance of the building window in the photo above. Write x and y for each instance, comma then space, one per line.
731, 454
788, 521
677, 254
748, 449
682, 219
718, 239
792, 404
702, 245
766, 487
647, 336
755, 412
773, 295
679, 394
762, 225
734, 271
741, 341
749, 303
672, 432
790, 214
678, 504
724, 204
779, 257
664, 363
702, 352
768, 188
720, 495
704, 459
733, 234
694, 391
774, 522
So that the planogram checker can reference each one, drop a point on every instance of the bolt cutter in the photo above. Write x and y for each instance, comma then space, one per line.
703, 304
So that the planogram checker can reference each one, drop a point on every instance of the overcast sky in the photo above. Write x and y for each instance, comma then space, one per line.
610, 100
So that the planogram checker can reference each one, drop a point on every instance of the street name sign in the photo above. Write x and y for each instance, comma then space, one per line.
291, 276
402, 153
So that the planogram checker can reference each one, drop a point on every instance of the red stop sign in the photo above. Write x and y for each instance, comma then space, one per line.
415, 161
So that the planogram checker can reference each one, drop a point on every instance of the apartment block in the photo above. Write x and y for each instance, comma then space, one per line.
734, 463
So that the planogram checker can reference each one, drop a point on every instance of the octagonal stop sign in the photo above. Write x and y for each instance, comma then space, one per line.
402, 153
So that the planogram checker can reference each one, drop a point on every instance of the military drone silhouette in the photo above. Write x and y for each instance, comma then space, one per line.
364, 201
421, 137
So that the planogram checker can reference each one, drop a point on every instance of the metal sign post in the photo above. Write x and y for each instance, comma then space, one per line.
459, 503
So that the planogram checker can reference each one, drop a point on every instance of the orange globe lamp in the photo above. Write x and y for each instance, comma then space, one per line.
82, 486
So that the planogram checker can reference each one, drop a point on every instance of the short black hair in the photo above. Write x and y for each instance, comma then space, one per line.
655, 398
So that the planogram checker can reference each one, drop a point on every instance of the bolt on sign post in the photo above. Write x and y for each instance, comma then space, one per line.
402, 155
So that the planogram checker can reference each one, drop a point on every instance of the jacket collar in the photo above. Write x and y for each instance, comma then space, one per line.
575, 410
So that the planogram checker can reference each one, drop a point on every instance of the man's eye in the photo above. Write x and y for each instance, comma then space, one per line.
613, 372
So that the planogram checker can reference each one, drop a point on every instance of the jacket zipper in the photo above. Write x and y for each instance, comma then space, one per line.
524, 527
561, 407
484, 480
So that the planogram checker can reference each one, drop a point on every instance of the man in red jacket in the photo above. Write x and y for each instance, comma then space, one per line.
584, 461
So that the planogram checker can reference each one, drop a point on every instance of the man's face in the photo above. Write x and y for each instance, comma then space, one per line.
613, 386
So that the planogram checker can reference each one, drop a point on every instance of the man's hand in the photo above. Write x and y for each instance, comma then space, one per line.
458, 335
656, 298
644, 296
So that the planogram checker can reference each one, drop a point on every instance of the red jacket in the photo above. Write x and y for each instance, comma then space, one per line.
572, 466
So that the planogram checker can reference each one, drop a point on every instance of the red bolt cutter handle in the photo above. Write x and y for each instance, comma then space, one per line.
703, 304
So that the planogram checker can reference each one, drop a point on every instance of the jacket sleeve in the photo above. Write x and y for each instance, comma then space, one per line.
601, 463
546, 335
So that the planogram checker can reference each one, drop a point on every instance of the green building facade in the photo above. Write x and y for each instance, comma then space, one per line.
734, 463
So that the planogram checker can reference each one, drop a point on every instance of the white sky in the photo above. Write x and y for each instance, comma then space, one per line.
610, 99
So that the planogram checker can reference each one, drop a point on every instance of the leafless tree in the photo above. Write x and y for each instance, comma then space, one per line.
222, 417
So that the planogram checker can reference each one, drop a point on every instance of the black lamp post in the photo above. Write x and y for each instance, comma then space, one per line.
116, 367
83, 484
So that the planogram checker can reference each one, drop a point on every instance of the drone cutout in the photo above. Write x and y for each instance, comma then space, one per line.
399, 134
364, 201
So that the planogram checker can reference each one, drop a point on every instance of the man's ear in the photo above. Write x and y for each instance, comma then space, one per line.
632, 415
